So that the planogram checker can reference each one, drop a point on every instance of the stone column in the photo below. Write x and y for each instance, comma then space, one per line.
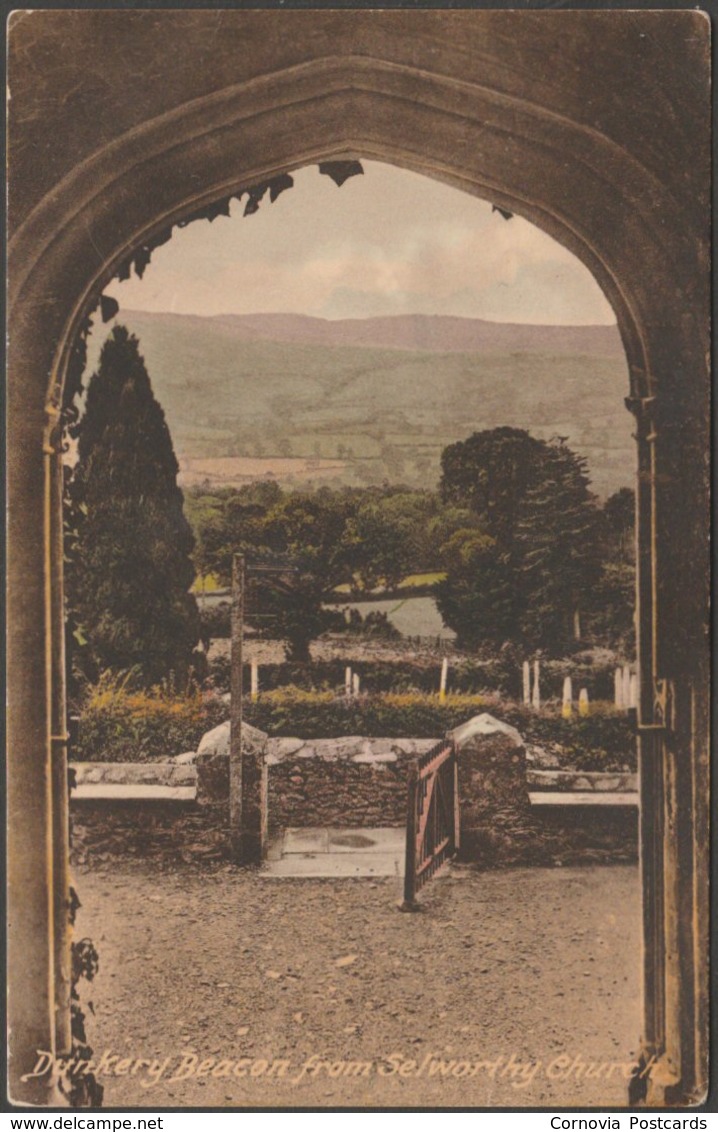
213, 784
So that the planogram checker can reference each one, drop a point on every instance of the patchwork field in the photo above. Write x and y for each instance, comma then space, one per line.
307, 401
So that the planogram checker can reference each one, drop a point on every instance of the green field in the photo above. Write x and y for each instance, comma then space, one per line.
387, 413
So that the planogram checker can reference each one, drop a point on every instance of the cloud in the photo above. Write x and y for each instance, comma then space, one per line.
388, 242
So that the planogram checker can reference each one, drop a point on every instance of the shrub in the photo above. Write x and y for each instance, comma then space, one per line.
603, 740
493, 676
120, 725
117, 724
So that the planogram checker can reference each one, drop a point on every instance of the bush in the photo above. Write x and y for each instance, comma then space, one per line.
494, 676
603, 740
117, 724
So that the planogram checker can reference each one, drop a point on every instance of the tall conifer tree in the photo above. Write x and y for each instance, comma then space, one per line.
130, 570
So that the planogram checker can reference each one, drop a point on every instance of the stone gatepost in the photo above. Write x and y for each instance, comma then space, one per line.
495, 810
212, 763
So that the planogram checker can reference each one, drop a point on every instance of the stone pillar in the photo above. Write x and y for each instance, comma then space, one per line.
493, 792
213, 783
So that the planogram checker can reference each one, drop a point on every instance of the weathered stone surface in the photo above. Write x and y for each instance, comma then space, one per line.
583, 781
495, 816
212, 760
133, 774
539, 758
347, 781
187, 758
279, 749
374, 757
482, 725
216, 741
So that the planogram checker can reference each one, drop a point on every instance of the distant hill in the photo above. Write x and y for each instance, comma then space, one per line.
435, 334
378, 397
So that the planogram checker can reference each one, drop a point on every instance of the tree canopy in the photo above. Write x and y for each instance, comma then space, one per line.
129, 566
528, 571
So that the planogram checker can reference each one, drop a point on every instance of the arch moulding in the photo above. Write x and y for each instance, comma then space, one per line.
575, 183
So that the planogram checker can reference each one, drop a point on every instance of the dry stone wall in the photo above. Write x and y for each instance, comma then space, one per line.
350, 781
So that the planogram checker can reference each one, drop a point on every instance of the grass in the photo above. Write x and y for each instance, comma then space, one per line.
411, 582
206, 583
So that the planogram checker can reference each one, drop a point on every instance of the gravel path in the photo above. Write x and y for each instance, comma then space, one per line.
508, 981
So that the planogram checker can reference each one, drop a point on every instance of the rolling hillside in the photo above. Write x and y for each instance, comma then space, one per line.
360, 401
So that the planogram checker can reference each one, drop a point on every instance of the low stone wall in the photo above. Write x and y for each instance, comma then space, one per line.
351, 781
357, 782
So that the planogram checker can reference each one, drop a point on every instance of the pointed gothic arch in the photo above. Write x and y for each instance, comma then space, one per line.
591, 189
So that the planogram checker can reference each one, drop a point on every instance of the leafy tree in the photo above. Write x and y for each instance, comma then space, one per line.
130, 567
311, 534
476, 598
531, 498
390, 534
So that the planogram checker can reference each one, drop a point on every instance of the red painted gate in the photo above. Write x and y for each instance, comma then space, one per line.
432, 826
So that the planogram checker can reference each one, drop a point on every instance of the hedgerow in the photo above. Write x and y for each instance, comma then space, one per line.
119, 725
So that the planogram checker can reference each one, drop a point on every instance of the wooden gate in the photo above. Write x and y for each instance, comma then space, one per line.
432, 826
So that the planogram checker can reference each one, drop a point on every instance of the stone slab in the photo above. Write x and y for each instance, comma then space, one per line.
134, 774
132, 792
370, 840
305, 841
335, 865
587, 798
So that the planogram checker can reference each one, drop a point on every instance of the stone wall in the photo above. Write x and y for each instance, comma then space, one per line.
351, 781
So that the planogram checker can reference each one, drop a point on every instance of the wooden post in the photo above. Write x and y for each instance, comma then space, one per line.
347, 681
235, 733
526, 682
457, 805
355, 683
254, 680
536, 698
567, 706
409, 903
583, 702
444, 676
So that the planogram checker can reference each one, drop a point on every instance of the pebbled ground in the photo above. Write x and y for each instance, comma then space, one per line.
512, 987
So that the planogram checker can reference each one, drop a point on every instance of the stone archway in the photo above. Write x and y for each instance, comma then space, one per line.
585, 181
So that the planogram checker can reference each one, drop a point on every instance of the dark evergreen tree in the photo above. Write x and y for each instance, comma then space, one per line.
532, 500
614, 596
558, 548
130, 568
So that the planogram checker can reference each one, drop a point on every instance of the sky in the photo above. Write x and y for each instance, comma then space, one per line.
387, 242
